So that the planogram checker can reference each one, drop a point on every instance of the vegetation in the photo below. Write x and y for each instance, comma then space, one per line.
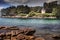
21, 9
27, 11
56, 11
13, 11
21, 14
31, 14
49, 15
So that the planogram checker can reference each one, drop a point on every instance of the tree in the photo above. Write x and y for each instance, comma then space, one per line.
56, 11
23, 9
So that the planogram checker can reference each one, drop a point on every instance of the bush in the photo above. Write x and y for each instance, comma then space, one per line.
31, 14
49, 15
22, 14
45, 15
57, 11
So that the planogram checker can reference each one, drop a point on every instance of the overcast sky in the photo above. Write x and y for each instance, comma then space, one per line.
7, 3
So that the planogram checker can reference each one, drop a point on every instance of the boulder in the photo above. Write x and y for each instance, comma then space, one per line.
20, 37
2, 28
24, 37
13, 38
29, 31
18, 34
57, 37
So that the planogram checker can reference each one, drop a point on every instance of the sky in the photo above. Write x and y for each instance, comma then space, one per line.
7, 3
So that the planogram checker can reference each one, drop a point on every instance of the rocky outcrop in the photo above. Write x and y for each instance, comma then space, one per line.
15, 33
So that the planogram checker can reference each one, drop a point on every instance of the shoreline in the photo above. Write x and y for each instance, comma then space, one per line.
28, 17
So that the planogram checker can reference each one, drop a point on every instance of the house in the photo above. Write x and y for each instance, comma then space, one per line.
43, 11
48, 6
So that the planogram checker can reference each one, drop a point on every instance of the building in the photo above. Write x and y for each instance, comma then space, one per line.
48, 6
43, 11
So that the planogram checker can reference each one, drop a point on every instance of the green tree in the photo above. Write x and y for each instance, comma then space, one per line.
31, 14
56, 11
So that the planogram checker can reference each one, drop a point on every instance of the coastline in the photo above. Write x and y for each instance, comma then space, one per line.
28, 17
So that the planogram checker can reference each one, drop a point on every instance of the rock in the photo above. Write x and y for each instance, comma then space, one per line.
13, 38
31, 37
2, 28
39, 38
14, 33
18, 34
6, 39
2, 35
56, 37
24, 37
29, 31
20, 37
13, 28
8, 33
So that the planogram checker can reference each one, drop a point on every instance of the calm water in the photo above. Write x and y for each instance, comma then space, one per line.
50, 24
53, 25
29, 22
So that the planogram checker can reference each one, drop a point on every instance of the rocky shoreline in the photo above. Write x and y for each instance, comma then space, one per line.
15, 33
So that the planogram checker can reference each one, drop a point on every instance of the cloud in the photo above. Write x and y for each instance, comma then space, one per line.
53, 0
28, 2
50, 0
17, 1
1, 8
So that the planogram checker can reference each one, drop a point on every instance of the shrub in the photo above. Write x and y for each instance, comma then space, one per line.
49, 15
31, 14
22, 14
